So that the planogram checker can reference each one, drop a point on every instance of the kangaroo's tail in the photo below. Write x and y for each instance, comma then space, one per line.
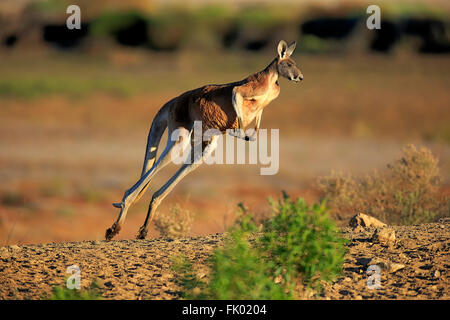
155, 134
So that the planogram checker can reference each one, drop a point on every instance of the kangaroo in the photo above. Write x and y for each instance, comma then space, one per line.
231, 106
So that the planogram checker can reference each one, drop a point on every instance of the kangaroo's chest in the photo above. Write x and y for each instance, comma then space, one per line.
272, 92
252, 106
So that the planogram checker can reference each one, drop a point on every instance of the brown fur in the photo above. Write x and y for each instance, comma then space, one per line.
212, 104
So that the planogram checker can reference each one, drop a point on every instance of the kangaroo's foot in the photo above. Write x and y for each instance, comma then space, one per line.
239, 133
142, 233
111, 232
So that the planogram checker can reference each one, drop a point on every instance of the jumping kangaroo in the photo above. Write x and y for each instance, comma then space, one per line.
228, 106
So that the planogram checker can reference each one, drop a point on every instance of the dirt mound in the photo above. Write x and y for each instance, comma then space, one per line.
414, 266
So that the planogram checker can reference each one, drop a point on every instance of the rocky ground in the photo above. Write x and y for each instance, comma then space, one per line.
413, 262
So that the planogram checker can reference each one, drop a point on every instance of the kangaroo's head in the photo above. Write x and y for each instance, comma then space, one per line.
286, 67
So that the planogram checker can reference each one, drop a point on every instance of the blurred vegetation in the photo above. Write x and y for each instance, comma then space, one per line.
32, 87
91, 194
141, 26
397, 10
14, 199
110, 22
293, 251
245, 26
408, 193
56, 187
64, 293
440, 133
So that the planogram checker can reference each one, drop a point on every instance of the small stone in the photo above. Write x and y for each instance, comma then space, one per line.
436, 274
419, 271
14, 247
394, 267
411, 293
278, 279
383, 264
386, 265
384, 236
347, 279
358, 297
4, 252
365, 221
441, 226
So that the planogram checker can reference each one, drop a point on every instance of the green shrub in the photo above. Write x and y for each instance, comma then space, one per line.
64, 293
265, 17
303, 242
110, 22
298, 247
314, 44
237, 271
408, 193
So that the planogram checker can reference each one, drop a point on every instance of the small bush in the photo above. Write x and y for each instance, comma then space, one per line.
408, 193
237, 271
177, 223
303, 242
64, 293
299, 246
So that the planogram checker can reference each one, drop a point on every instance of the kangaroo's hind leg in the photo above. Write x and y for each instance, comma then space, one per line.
138, 188
186, 168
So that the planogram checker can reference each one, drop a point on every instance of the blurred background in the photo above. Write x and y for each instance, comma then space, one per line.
76, 105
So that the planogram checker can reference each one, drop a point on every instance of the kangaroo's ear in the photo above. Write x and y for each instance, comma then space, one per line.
282, 47
291, 48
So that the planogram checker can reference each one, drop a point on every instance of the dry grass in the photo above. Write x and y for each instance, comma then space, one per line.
177, 223
407, 193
